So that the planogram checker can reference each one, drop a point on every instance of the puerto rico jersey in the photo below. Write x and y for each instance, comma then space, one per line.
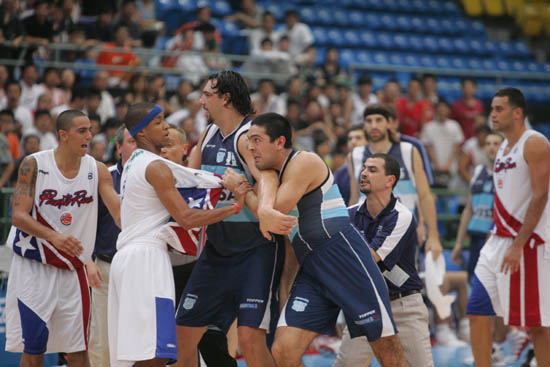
513, 192
67, 206
240, 232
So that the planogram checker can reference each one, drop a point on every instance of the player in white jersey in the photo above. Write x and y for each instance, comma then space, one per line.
142, 328
54, 215
511, 276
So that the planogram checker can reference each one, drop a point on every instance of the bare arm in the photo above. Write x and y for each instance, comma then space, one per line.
427, 205
161, 178
353, 184
7, 173
461, 234
23, 201
108, 193
433, 157
463, 166
195, 158
290, 269
536, 153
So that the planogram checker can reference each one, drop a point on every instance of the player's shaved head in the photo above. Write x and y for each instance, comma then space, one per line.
65, 120
136, 113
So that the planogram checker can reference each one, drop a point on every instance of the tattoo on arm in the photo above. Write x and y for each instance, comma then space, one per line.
26, 181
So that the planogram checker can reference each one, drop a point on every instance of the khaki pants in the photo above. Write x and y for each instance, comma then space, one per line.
98, 343
411, 318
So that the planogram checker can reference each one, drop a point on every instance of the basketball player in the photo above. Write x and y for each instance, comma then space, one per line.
337, 269
511, 276
105, 248
237, 271
55, 202
142, 329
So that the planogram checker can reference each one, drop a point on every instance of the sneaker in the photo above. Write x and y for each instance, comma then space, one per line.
446, 337
464, 330
497, 357
519, 341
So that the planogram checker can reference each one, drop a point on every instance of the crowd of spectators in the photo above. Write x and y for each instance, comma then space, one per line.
320, 100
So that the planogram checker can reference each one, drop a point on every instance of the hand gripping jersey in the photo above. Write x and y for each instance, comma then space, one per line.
67, 206
513, 193
145, 219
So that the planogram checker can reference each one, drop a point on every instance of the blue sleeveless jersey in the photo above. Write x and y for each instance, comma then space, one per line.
241, 232
322, 215
405, 189
483, 194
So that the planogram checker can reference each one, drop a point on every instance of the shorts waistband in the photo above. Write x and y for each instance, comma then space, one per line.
147, 242
395, 296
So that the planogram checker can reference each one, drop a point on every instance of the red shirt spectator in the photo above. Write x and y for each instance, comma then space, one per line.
413, 112
122, 40
466, 109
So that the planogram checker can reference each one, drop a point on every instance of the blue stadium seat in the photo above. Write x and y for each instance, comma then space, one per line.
435, 7
412, 60
447, 26
521, 49
433, 26
504, 65
488, 64
451, 8
396, 59
325, 16
346, 57
427, 61
340, 18
278, 11
372, 21
364, 57
418, 24
320, 35
387, 22
474, 63
477, 27
431, 45
391, 5
356, 18
368, 39
220, 8
385, 40
380, 58
419, 6
445, 45
490, 47
415, 43
335, 38
351, 38
461, 46
307, 15
459, 63
476, 46
228, 28
460, 26
443, 62
401, 41
404, 23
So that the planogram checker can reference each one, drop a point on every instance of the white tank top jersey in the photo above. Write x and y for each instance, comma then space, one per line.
141, 212
68, 206
513, 190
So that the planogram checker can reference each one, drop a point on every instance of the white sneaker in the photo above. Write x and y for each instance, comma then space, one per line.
446, 337
519, 341
464, 330
497, 357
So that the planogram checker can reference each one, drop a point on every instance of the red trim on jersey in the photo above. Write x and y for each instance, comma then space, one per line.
51, 257
186, 240
514, 314
85, 296
500, 211
532, 297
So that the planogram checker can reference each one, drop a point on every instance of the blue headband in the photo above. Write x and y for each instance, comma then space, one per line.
146, 120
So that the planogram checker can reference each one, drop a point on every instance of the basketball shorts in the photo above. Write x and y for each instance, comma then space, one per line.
521, 298
340, 274
243, 286
141, 305
47, 308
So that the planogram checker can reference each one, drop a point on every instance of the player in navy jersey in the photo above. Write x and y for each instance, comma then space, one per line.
238, 270
337, 270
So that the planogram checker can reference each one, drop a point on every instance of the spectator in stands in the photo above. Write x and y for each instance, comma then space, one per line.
95, 122
62, 22
360, 100
248, 16
211, 47
97, 148
38, 28
30, 91
265, 100
101, 30
412, 110
330, 69
298, 33
265, 30
356, 137
467, 108
179, 100
7, 164
50, 86
44, 102
67, 84
429, 85
272, 61
147, 12
106, 107
93, 101
293, 92
118, 58
121, 109
390, 94
336, 114
306, 61
136, 89
77, 37
23, 115
4, 75
473, 152
443, 138
43, 125
12, 137
314, 120
11, 29
293, 114
315, 93
204, 15
78, 102
128, 16
31, 144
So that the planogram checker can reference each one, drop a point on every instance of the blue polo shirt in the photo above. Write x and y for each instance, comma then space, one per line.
107, 230
392, 234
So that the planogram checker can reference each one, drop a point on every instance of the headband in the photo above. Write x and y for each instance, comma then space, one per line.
377, 111
146, 120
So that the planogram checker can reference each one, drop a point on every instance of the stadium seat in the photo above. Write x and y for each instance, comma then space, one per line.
418, 25
494, 8
415, 43
220, 8
325, 16
380, 58
461, 46
430, 44
412, 60
385, 40
474, 63
363, 57
388, 23
404, 23
307, 15
346, 57
427, 61
340, 18
443, 62
401, 41
320, 36
351, 39
472, 8
356, 18
335, 38
459, 63
445, 45
396, 59
372, 21
368, 39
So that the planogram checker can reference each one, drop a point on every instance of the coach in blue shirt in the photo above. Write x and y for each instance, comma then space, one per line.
390, 230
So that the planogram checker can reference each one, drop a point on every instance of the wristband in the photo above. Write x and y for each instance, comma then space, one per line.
238, 207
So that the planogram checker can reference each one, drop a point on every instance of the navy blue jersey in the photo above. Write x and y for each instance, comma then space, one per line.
241, 232
483, 195
423, 153
392, 234
341, 177
321, 213
107, 230
405, 189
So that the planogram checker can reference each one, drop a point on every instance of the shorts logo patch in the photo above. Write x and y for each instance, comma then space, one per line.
299, 304
66, 219
189, 301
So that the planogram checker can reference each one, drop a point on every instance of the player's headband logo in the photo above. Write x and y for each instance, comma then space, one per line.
146, 120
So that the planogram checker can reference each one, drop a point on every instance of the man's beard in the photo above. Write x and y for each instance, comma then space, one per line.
380, 137
365, 191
